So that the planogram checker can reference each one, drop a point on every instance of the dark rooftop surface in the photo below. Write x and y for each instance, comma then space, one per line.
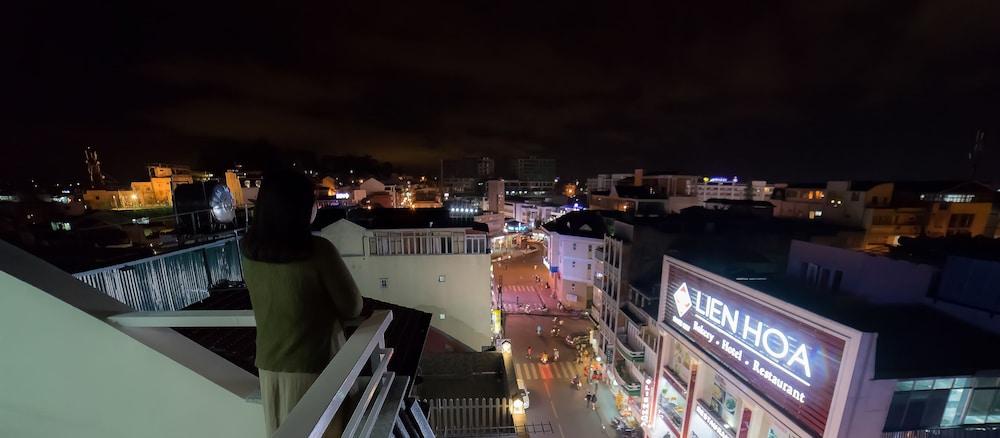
936, 250
406, 332
587, 223
638, 192
749, 202
863, 186
913, 340
461, 375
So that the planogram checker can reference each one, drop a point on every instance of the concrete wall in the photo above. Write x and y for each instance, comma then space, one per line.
67, 373
464, 297
876, 278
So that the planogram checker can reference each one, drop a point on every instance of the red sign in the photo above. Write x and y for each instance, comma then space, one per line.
792, 363
745, 424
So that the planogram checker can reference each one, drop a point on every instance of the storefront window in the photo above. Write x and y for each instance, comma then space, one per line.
723, 404
672, 404
680, 362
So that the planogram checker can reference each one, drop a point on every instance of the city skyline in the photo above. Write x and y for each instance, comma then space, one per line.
890, 91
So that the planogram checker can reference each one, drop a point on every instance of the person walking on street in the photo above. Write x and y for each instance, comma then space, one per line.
529, 352
538, 329
555, 354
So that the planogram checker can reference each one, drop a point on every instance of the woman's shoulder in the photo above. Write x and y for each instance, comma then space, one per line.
322, 246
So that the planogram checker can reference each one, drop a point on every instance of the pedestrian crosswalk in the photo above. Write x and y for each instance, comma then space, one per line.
563, 369
520, 288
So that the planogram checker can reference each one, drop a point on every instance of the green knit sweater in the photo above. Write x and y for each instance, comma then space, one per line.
299, 307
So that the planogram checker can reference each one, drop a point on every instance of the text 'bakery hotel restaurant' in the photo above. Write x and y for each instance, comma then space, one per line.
739, 362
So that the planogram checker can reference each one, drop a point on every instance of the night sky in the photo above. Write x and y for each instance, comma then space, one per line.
795, 91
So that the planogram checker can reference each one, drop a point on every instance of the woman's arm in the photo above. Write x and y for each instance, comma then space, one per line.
338, 282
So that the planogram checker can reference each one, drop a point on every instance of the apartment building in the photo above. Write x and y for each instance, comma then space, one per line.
572, 242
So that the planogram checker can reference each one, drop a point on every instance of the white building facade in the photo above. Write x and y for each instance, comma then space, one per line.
570, 259
443, 271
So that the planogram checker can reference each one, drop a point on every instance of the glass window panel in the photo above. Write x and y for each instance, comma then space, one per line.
979, 407
943, 383
962, 382
923, 384
894, 419
904, 385
986, 382
952, 415
915, 410
994, 416
934, 409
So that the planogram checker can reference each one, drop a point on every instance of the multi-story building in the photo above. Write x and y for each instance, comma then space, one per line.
573, 240
534, 189
422, 259
732, 188
535, 169
605, 181
532, 214
496, 195
652, 194
802, 200
777, 358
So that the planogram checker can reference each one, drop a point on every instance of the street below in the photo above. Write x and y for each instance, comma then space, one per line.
553, 398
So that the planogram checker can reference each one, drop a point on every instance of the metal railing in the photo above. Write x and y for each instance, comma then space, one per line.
630, 386
629, 352
325, 398
170, 281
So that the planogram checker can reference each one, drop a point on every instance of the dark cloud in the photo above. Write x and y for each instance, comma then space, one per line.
892, 89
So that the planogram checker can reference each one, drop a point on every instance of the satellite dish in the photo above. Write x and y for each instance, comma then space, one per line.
220, 201
202, 203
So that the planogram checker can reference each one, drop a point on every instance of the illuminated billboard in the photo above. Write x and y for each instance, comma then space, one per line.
792, 363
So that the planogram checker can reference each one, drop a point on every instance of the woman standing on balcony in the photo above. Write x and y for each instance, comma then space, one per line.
301, 293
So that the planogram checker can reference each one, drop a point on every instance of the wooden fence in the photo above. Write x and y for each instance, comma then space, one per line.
471, 417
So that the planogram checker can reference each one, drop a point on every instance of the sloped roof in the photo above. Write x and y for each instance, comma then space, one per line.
587, 223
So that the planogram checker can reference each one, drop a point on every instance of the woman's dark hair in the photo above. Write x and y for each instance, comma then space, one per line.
280, 230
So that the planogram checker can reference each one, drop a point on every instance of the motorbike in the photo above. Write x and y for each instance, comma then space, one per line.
544, 359
576, 383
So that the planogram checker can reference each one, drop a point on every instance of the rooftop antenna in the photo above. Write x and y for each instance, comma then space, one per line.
977, 151
93, 168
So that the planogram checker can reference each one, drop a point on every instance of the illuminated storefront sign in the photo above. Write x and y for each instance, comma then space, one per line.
793, 363
646, 389
711, 422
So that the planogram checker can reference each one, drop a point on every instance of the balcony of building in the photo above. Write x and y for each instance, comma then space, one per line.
599, 254
156, 343
646, 297
624, 378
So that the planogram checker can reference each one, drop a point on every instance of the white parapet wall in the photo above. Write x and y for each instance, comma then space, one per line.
65, 371
463, 297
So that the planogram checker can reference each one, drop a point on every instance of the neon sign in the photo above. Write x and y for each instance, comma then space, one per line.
645, 400
793, 363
